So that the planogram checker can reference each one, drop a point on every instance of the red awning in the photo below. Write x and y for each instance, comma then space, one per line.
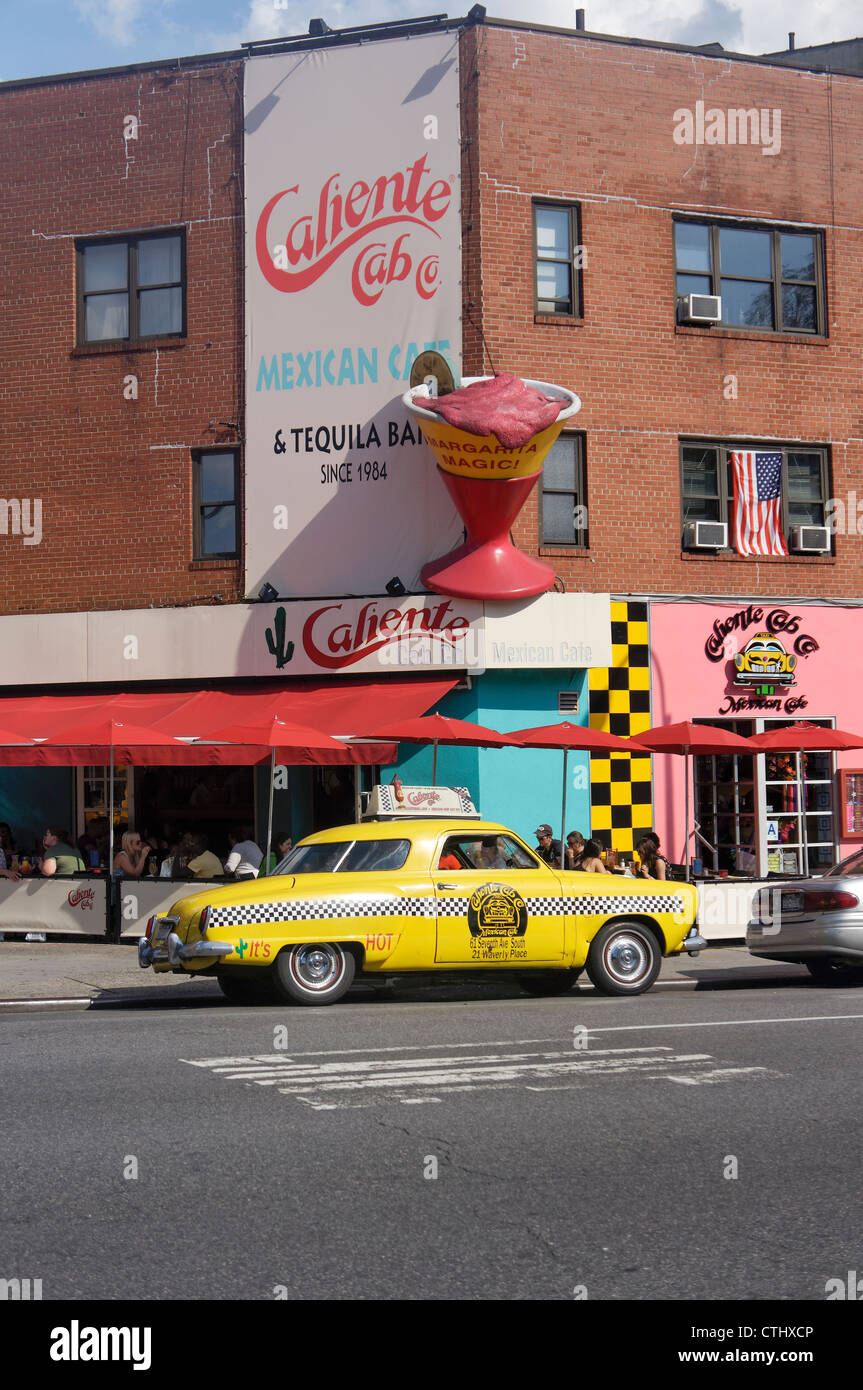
340, 707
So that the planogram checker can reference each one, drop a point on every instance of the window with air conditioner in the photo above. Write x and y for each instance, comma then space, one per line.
707, 493
768, 278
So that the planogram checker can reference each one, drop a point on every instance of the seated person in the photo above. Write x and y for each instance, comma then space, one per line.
131, 861
448, 860
490, 855
279, 847
60, 857
202, 862
653, 864
245, 857
574, 851
591, 862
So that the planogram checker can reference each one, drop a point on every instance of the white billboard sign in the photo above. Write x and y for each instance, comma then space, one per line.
353, 267
321, 637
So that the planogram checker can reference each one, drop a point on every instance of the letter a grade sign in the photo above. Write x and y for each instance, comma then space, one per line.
352, 269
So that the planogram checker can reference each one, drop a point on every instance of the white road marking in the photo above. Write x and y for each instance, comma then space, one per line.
407, 1047
708, 1078
724, 1023
335, 1084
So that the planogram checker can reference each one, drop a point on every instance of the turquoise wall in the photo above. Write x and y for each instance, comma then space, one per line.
33, 797
520, 787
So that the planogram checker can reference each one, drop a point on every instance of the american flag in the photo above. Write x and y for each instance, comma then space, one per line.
757, 504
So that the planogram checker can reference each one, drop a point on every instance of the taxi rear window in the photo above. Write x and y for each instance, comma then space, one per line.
346, 857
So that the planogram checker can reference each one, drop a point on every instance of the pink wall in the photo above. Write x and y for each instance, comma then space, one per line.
687, 684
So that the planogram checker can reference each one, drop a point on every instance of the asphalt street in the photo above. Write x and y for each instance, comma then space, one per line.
442, 1141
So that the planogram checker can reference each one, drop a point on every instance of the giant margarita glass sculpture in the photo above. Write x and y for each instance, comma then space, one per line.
489, 471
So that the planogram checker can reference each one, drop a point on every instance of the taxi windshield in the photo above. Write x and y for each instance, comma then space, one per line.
345, 857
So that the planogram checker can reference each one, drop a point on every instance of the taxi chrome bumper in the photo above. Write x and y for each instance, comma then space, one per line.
693, 942
174, 952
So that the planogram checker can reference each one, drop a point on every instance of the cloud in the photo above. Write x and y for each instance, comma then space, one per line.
114, 20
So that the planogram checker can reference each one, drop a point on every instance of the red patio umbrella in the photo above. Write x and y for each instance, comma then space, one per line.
798, 738
686, 739
578, 738
15, 740
805, 738
111, 734
275, 733
440, 728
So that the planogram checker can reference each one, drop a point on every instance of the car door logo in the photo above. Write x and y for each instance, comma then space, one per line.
497, 910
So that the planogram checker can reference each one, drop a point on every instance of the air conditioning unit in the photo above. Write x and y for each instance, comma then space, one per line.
705, 535
700, 308
808, 540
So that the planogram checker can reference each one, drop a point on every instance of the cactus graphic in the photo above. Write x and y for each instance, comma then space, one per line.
241, 948
276, 643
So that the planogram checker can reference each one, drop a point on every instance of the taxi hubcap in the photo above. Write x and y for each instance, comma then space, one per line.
316, 967
627, 958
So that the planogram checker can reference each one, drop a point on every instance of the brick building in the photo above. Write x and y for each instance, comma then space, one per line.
89, 157
599, 185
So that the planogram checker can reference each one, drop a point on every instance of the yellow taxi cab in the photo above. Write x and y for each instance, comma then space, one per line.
390, 897
764, 658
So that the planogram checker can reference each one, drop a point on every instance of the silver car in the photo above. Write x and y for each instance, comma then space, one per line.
816, 922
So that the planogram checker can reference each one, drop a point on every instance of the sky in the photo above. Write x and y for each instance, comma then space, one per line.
48, 36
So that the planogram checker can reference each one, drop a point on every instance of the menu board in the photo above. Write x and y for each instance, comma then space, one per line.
851, 803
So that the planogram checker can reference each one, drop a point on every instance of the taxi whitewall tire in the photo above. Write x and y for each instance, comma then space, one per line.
314, 973
624, 958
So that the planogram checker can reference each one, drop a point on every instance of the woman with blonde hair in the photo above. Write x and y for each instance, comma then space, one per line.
131, 860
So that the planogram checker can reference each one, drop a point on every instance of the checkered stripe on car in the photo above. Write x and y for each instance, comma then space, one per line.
600, 905
309, 909
353, 905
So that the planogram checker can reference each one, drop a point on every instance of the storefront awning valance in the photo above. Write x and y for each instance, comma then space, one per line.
340, 708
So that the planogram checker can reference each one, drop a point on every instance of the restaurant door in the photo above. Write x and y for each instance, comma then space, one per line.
758, 814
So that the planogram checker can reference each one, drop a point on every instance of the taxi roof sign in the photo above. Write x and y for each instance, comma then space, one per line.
387, 802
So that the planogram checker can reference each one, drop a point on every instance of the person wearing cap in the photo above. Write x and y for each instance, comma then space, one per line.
548, 848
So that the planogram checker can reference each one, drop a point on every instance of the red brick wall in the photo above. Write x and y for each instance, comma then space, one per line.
592, 121
117, 506
543, 114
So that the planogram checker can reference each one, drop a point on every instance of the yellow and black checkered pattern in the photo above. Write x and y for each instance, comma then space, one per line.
621, 805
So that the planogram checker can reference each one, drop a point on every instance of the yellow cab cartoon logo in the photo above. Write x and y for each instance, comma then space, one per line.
764, 658
497, 910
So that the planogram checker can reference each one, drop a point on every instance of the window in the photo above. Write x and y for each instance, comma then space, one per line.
769, 279
557, 258
484, 852
131, 288
216, 487
563, 499
764, 814
345, 857
707, 488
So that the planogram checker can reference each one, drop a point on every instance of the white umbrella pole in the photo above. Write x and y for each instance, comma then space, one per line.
801, 783
434, 764
686, 775
111, 814
563, 813
270, 811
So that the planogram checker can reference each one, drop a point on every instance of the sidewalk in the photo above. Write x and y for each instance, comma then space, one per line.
79, 975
